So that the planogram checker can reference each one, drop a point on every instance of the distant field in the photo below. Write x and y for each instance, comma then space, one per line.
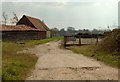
16, 66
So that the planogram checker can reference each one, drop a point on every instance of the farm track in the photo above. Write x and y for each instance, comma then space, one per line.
60, 64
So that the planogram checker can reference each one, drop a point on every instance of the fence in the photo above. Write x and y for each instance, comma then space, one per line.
81, 39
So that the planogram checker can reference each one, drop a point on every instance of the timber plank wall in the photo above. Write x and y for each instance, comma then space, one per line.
23, 35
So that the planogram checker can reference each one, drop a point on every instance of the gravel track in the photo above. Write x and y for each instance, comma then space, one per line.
60, 64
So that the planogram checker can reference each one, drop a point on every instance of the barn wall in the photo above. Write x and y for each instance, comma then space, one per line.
23, 35
48, 34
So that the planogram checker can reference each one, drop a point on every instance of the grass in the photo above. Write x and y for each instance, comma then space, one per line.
35, 42
16, 66
100, 55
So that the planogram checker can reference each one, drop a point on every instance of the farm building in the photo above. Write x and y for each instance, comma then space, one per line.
26, 28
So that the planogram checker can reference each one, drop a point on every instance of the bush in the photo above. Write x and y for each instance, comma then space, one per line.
111, 42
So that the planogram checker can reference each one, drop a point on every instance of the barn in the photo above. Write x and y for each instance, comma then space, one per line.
26, 28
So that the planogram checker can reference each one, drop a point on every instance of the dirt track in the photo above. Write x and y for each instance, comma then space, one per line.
60, 64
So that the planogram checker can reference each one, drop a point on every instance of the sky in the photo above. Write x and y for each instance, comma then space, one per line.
80, 14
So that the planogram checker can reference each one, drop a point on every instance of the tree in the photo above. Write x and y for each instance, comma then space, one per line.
70, 31
80, 31
95, 31
86, 31
55, 31
14, 19
62, 32
5, 18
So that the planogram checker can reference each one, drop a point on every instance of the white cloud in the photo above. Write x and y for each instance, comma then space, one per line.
97, 4
64, 13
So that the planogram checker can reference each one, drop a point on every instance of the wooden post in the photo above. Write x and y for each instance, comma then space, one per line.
64, 41
79, 41
97, 40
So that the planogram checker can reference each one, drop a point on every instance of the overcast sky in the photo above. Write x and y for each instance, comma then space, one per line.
87, 14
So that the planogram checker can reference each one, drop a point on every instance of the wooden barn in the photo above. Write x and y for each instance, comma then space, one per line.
26, 28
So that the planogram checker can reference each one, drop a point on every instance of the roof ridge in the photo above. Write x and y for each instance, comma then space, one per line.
32, 17
45, 26
36, 23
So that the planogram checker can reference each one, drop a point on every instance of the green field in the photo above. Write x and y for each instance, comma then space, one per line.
100, 55
16, 66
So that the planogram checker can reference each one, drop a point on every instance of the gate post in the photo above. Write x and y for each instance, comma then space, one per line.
97, 40
79, 41
64, 41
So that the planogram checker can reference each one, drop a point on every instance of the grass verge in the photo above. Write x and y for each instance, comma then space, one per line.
17, 66
100, 55
35, 42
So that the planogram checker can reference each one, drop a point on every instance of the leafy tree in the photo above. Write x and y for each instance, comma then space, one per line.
86, 31
54, 31
80, 31
95, 31
62, 32
70, 31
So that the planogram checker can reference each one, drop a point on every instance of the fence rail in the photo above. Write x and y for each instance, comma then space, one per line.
78, 40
